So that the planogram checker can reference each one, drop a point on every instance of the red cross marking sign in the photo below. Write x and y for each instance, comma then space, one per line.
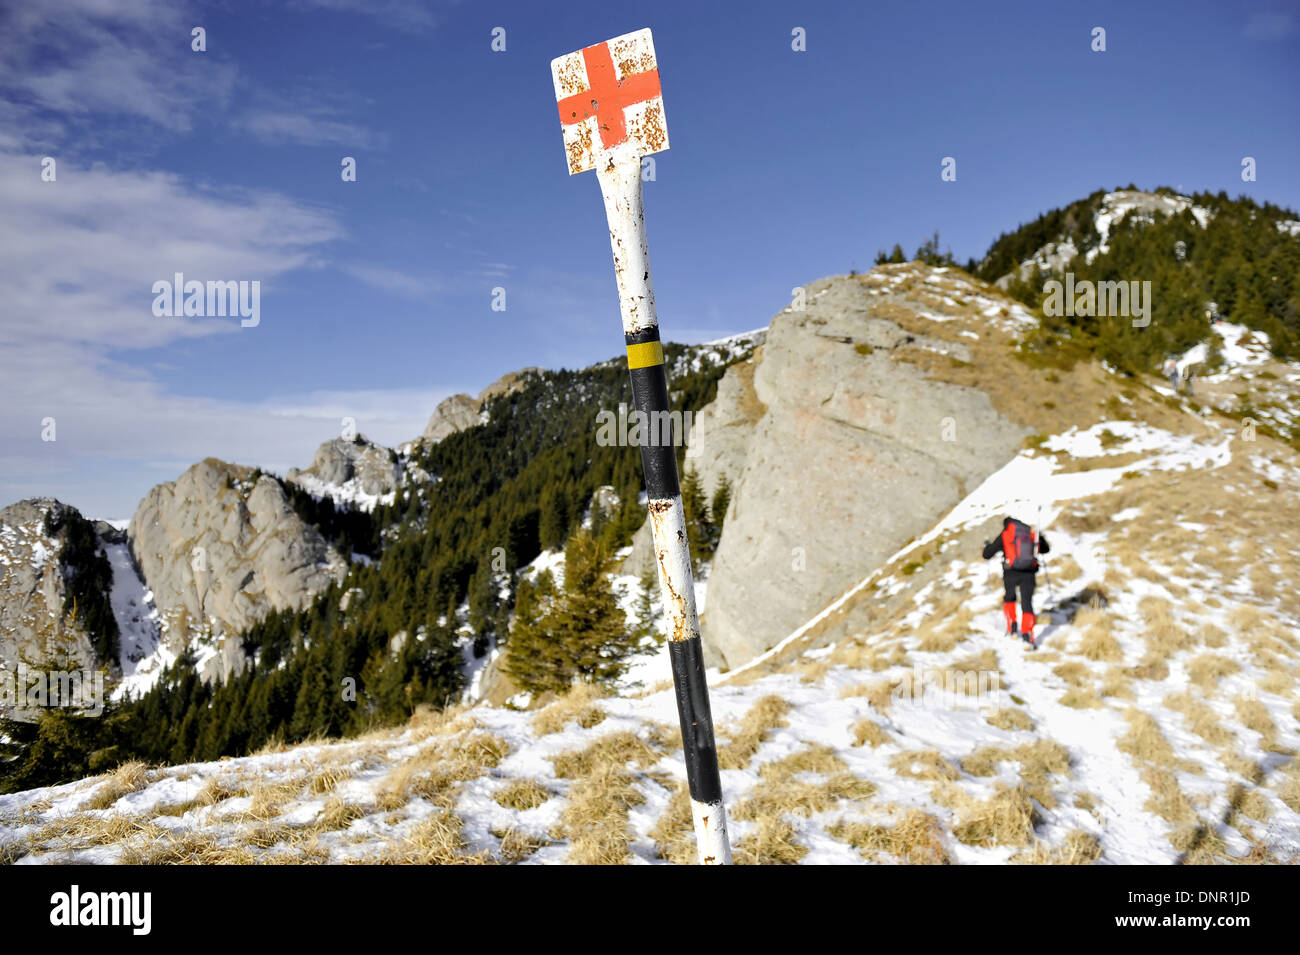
609, 101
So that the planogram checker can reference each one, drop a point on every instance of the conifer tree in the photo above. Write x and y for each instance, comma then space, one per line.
579, 633
695, 511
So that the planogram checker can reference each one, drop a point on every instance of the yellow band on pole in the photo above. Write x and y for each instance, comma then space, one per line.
645, 354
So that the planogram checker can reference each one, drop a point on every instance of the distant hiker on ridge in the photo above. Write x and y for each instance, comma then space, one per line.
1171, 372
1017, 543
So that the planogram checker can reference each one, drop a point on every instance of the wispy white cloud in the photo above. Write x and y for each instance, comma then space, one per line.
127, 58
308, 127
78, 259
392, 280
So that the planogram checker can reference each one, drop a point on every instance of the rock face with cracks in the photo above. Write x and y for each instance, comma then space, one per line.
835, 431
220, 547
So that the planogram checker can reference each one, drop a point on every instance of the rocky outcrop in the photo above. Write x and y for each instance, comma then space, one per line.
452, 414
33, 626
358, 466
462, 411
220, 547
723, 431
848, 452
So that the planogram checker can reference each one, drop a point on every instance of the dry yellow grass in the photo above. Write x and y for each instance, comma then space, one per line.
325, 778
435, 840
522, 794
128, 778
338, 814
436, 770
779, 792
577, 704
879, 694
596, 817
1163, 634
915, 839
1200, 719
1099, 643
1117, 682
1146, 742
1081, 698
614, 749
1007, 818
869, 731
517, 845
928, 764
187, 847
269, 798
764, 716
1207, 669
771, 842
1167, 799
1077, 848
673, 831
1010, 718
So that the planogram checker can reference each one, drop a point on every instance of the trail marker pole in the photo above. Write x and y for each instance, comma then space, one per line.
612, 114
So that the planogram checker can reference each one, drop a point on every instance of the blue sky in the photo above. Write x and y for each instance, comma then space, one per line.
376, 295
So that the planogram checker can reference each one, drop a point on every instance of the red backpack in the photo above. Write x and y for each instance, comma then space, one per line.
1018, 546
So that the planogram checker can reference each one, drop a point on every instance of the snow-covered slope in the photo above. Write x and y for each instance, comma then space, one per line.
1156, 723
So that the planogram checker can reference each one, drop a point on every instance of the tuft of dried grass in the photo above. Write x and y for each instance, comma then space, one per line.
614, 749
338, 814
771, 842
1010, 718
1199, 719
927, 764
185, 847
764, 716
128, 778
915, 839
1146, 742
579, 703
435, 840
596, 818
522, 794
1077, 848
1207, 669
673, 832
517, 845
436, 770
1099, 643
879, 694
779, 791
869, 731
1007, 818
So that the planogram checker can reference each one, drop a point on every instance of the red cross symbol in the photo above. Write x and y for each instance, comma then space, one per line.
607, 96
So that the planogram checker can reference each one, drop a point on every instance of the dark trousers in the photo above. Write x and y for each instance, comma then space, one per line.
1022, 580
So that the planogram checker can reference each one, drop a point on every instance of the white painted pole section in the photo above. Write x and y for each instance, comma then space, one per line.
711, 837
620, 186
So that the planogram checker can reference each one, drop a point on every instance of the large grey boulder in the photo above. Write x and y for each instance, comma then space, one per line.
220, 547
852, 455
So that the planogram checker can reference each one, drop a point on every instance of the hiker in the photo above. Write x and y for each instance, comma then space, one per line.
1171, 371
1017, 544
